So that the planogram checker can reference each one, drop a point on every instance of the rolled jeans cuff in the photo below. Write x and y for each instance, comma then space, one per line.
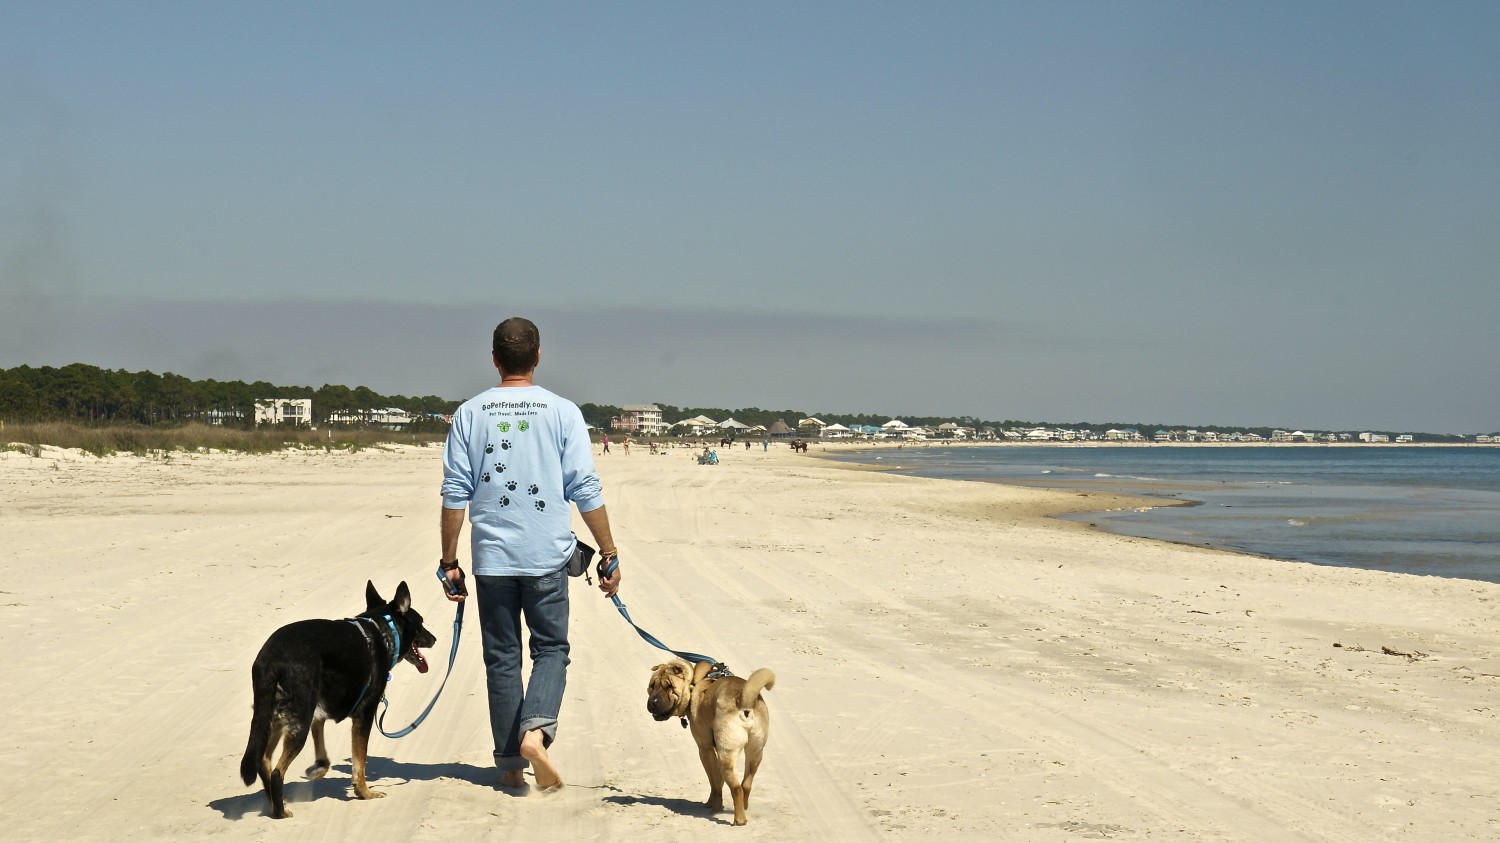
548, 725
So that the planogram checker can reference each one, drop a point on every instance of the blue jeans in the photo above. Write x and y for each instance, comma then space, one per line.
516, 708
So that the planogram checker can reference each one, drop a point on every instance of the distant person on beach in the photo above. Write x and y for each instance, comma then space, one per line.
625, 443
605, 437
517, 455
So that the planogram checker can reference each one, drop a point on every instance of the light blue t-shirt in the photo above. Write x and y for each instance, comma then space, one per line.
516, 457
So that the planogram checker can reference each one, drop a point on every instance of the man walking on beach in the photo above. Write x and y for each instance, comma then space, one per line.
517, 455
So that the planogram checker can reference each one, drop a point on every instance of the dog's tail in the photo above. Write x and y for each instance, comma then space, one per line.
760, 679
260, 723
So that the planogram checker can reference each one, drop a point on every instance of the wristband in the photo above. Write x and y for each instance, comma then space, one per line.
447, 566
454, 589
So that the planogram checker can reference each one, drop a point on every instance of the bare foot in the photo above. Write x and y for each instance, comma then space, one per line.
547, 777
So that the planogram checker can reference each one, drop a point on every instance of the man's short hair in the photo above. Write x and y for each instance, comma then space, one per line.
516, 345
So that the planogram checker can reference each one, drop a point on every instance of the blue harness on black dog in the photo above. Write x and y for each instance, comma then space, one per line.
396, 653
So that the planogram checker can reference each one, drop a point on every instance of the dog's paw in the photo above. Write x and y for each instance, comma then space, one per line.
369, 794
317, 771
541, 505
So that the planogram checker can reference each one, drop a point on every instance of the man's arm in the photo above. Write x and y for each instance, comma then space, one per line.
450, 527
597, 520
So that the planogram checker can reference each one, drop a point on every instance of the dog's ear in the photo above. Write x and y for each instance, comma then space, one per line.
675, 668
402, 600
372, 597
658, 667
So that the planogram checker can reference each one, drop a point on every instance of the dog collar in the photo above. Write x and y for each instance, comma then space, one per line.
396, 653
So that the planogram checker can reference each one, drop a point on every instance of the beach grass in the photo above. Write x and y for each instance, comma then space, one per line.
106, 440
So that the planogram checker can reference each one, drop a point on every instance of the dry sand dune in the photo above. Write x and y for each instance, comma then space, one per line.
949, 663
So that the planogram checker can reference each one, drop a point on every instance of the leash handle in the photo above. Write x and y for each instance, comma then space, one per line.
458, 623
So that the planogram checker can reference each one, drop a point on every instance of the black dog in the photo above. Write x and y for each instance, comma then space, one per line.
312, 671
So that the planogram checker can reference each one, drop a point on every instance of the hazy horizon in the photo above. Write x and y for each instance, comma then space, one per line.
1242, 214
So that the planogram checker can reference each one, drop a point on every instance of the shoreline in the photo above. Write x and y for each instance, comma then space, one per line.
1351, 513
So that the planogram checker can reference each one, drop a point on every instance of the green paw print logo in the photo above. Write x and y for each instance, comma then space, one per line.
504, 427
523, 426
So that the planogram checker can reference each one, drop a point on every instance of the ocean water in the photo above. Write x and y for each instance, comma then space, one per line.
1428, 510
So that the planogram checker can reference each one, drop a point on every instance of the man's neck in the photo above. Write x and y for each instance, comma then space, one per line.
514, 381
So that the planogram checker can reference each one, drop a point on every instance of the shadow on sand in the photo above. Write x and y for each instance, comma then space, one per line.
683, 807
381, 773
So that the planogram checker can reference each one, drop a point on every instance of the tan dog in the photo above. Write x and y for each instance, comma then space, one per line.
727, 715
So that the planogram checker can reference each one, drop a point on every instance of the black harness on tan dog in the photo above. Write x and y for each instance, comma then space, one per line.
718, 670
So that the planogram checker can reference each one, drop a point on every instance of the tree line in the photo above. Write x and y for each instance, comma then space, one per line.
89, 394
84, 393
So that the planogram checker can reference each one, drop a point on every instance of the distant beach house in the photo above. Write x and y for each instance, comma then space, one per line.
392, 418
896, 429
695, 426
811, 428
954, 430
644, 419
283, 411
733, 427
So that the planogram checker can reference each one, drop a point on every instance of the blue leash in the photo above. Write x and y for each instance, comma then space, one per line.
458, 624
606, 569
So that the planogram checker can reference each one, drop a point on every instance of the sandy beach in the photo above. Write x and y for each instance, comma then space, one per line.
950, 663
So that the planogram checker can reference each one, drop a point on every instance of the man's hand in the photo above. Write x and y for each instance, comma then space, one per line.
610, 585
454, 587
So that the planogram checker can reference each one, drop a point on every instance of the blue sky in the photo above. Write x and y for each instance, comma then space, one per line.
1257, 214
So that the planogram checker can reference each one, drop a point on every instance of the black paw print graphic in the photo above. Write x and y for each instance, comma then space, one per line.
504, 501
511, 485
486, 477
532, 489
489, 449
541, 505
505, 444
499, 468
